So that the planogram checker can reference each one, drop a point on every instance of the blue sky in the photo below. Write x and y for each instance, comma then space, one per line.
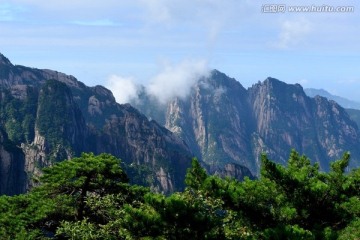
167, 42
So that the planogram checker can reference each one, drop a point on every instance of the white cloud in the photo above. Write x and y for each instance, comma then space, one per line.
293, 33
177, 80
123, 88
171, 81
209, 15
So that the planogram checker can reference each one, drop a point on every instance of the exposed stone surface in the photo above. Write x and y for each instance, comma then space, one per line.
12, 174
224, 123
47, 116
232, 170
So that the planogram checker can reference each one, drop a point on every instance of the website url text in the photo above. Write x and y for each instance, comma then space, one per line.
282, 8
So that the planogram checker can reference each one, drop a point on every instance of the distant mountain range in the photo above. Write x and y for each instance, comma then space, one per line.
47, 116
344, 102
351, 107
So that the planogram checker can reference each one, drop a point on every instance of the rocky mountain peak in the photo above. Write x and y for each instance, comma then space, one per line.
277, 85
4, 60
272, 80
219, 79
276, 92
106, 93
344, 102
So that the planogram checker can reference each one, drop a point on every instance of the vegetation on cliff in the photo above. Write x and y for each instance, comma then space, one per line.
89, 197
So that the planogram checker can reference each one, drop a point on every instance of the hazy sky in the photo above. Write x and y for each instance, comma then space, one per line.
117, 42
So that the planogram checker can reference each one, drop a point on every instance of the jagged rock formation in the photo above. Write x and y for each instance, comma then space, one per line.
354, 115
319, 128
224, 123
231, 170
47, 116
12, 164
344, 102
351, 107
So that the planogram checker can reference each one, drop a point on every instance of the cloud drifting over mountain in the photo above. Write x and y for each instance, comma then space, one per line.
123, 88
173, 80
176, 80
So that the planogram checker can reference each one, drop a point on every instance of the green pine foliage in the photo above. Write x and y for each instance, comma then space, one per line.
90, 197
54, 112
17, 116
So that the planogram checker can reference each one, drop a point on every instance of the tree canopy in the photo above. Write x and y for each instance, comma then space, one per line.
89, 197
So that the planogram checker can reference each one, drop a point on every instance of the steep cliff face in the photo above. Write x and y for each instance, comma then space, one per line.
215, 121
12, 161
49, 116
336, 131
59, 128
286, 118
129, 135
344, 102
283, 115
354, 115
227, 124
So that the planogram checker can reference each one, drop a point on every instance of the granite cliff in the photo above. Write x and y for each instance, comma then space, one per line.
344, 102
351, 107
224, 123
47, 116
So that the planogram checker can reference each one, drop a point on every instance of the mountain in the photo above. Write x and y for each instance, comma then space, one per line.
47, 116
344, 102
354, 115
224, 123
351, 107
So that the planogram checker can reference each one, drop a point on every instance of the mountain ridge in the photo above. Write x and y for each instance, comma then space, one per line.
344, 102
225, 125
230, 124
47, 116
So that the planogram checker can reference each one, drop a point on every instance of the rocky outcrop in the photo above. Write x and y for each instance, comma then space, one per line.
231, 170
282, 114
48, 117
286, 118
344, 102
214, 120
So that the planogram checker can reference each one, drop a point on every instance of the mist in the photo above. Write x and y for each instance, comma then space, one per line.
124, 88
172, 80
177, 80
